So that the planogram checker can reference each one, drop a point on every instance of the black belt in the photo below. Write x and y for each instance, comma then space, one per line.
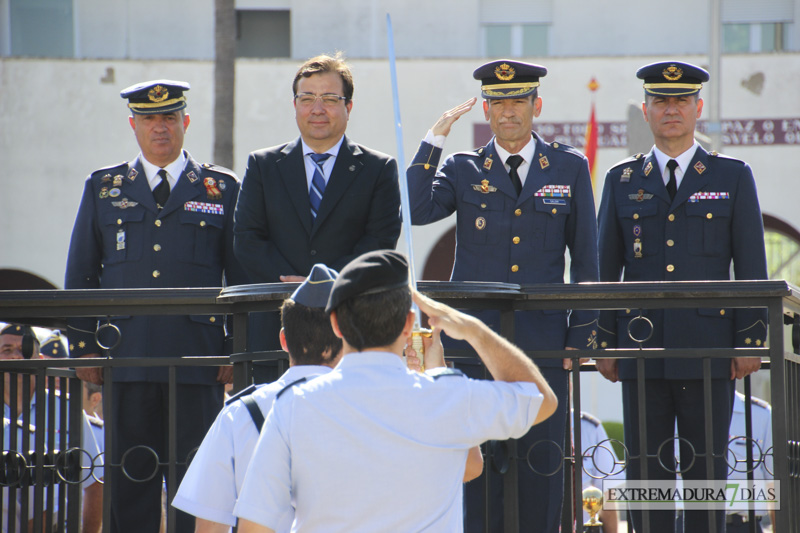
738, 519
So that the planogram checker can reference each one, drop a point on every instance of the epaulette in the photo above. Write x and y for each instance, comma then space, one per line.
589, 418
444, 372
567, 149
627, 160
108, 169
718, 155
96, 421
289, 386
759, 402
221, 170
473, 153
244, 392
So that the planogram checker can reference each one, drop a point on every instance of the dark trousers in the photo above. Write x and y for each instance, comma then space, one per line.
668, 401
540, 470
139, 436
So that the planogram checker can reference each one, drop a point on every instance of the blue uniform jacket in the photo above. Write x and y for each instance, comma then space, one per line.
714, 220
121, 240
503, 238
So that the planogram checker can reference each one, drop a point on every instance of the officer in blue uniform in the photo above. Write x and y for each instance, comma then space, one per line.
679, 213
161, 220
520, 204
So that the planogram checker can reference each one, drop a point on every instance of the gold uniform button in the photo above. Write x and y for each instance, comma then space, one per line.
158, 223
212, 319
627, 311
670, 268
514, 268
156, 273
157, 247
671, 218
709, 216
202, 223
670, 242
722, 312
119, 221
483, 206
758, 342
518, 212
515, 240
554, 211
636, 216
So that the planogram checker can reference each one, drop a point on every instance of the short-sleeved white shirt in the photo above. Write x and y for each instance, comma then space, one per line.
373, 446
214, 478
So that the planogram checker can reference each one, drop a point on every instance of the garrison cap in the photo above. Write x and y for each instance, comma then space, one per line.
672, 78
156, 96
13, 329
508, 79
316, 289
370, 273
54, 346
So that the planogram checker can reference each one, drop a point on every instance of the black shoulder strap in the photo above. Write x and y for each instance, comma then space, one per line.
254, 410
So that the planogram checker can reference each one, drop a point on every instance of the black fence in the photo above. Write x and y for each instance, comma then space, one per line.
48, 492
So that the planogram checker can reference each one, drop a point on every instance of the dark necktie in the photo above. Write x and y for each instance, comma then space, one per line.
161, 192
672, 184
317, 184
514, 162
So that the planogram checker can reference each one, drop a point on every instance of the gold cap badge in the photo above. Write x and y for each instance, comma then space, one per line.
158, 94
505, 72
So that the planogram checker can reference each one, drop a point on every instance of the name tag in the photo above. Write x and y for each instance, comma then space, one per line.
553, 201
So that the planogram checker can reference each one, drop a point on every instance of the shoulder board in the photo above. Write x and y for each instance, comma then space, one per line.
31, 427
475, 153
289, 386
759, 402
437, 373
107, 170
589, 418
628, 160
566, 149
221, 170
244, 392
723, 156
95, 421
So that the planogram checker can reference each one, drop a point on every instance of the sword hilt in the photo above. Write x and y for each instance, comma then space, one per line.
416, 343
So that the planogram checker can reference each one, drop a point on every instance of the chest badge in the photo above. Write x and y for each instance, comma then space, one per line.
637, 248
211, 189
117, 180
484, 187
124, 204
104, 192
480, 223
640, 196
487, 165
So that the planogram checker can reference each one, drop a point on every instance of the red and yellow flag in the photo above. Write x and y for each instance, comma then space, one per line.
590, 142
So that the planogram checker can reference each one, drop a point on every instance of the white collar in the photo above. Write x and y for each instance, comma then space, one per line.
174, 170
683, 160
527, 151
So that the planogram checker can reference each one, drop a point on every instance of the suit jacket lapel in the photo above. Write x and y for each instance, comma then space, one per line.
539, 170
137, 189
345, 170
292, 170
694, 178
652, 181
188, 187
496, 173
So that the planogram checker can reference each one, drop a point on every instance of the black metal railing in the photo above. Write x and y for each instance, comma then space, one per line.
50, 308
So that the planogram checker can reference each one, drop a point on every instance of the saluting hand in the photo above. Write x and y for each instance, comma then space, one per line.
445, 122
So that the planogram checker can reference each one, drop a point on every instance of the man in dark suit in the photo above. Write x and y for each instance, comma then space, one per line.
679, 213
161, 220
318, 199
520, 204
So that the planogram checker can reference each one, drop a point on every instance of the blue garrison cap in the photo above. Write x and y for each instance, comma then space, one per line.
54, 346
316, 289
672, 78
508, 79
156, 96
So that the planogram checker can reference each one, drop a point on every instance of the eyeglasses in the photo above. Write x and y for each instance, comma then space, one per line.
328, 100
